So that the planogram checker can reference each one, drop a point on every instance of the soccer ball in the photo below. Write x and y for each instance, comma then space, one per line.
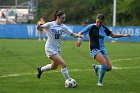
70, 83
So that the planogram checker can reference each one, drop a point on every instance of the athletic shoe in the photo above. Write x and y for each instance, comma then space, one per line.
44, 39
39, 39
39, 72
95, 70
99, 84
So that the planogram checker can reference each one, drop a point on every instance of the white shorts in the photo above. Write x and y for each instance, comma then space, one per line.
50, 52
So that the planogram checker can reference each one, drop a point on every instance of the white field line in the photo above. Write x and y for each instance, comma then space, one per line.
14, 75
116, 60
125, 67
76, 70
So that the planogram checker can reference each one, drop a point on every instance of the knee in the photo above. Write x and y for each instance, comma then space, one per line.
104, 67
63, 65
54, 67
109, 68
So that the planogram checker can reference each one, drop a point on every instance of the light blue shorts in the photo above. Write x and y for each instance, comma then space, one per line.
94, 52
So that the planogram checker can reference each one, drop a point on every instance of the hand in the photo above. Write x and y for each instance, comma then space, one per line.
39, 28
78, 43
81, 36
128, 35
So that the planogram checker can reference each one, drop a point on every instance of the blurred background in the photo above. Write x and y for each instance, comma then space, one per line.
22, 46
122, 16
78, 11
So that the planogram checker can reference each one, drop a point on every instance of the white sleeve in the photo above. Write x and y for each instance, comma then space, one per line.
67, 30
46, 25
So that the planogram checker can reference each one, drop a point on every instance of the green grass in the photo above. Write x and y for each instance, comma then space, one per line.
22, 56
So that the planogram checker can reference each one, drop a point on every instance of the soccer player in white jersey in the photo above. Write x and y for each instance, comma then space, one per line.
54, 32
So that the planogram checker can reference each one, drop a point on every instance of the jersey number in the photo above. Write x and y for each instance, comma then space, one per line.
57, 36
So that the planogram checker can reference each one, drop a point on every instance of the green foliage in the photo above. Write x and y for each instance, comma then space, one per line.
128, 12
78, 11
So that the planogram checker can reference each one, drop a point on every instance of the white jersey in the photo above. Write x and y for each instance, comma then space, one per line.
54, 34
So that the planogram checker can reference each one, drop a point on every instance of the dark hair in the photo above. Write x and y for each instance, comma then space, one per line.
101, 17
58, 13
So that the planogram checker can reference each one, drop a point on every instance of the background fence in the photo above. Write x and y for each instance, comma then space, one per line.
29, 31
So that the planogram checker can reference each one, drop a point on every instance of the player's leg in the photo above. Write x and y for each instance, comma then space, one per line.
42, 69
102, 67
39, 35
51, 66
93, 53
108, 62
44, 35
58, 60
47, 67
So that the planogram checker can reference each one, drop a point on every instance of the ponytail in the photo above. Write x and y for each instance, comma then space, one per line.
58, 13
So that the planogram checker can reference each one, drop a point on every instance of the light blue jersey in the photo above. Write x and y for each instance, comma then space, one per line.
96, 37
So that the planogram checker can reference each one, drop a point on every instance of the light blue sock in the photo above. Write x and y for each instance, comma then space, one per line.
103, 68
97, 67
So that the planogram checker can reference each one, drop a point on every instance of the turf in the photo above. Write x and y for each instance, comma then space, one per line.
19, 59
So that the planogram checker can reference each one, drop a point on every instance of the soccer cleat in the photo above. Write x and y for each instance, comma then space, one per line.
39, 72
99, 84
95, 70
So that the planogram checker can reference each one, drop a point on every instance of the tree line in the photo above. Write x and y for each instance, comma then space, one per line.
85, 11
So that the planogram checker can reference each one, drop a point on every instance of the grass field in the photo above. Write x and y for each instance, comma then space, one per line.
19, 59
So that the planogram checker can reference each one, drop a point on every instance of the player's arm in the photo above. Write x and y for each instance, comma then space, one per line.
70, 32
76, 35
83, 32
42, 26
79, 41
79, 36
109, 33
119, 35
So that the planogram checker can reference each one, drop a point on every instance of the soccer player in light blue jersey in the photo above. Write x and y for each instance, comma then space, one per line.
96, 33
54, 30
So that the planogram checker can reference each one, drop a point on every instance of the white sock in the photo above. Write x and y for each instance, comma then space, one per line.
46, 68
64, 72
